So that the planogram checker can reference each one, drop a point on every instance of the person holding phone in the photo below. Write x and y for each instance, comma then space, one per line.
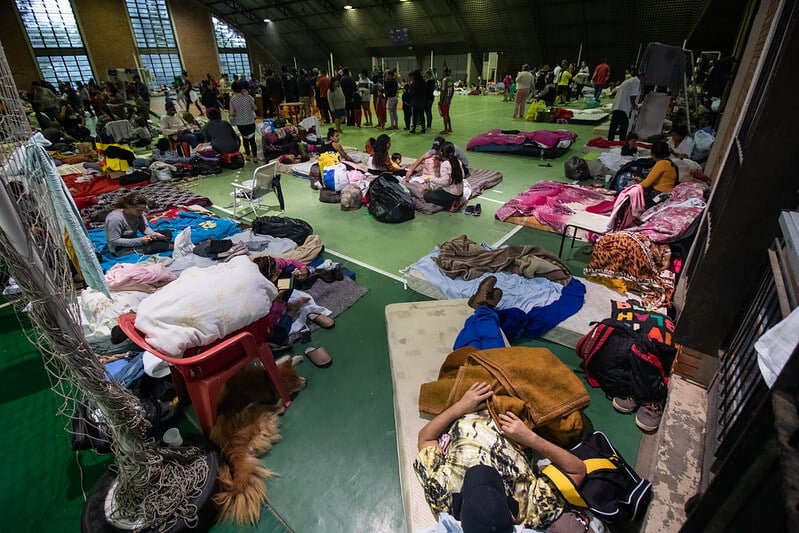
292, 308
124, 224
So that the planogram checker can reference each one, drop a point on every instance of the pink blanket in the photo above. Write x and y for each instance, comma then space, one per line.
669, 221
551, 203
543, 138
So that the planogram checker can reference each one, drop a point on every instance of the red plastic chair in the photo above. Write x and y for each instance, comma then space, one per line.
199, 377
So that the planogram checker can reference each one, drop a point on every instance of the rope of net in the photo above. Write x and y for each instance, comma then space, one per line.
155, 485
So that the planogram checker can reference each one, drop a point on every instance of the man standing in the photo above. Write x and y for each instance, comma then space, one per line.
626, 100
445, 99
323, 84
348, 86
600, 78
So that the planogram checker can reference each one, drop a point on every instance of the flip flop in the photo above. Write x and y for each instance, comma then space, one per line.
323, 321
319, 356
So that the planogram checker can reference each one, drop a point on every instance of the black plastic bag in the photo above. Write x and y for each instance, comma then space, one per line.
388, 201
291, 228
576, 168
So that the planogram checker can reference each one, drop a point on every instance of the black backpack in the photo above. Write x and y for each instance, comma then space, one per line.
611, 489
625, 362
388, 201
576, 168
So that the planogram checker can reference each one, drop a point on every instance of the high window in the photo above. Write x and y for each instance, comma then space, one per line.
232, 46
56, 40
155, 39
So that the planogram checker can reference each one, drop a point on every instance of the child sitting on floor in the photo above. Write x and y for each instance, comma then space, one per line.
396, 158
629, 148
369, 148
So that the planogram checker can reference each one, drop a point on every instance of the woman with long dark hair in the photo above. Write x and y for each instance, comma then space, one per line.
381, 160
448, 185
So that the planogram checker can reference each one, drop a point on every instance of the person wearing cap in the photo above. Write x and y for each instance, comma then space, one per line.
435, 150
473, 468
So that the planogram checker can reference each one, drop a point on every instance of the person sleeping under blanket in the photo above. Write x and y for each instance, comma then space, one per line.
472, 468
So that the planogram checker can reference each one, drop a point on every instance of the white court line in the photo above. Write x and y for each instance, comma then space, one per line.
510, 234
366, 265
481, 198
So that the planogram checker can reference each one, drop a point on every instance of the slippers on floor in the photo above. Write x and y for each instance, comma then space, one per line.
323, 321
319, 356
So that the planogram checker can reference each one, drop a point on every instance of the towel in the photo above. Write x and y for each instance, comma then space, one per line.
531, 382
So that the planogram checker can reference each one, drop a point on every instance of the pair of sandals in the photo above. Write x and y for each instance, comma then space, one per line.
475, 210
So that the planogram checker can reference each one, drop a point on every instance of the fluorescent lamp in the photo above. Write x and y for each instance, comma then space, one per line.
348, 6
267, 20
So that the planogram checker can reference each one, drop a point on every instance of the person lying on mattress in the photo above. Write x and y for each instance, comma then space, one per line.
662, 177
447, 186
124, 224
472, 469
435, 150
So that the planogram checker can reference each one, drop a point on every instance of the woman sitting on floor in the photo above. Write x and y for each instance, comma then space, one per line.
381, 160
448, 185
124, 224
471, 467
331, 144
663, 176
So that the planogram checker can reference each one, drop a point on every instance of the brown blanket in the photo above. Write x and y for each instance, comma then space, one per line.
531, 382
461, 257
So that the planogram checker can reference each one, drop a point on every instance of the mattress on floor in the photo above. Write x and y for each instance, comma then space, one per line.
588, 116
568, 332
531, 150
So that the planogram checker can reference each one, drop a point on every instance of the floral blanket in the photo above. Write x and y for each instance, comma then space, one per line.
671, 220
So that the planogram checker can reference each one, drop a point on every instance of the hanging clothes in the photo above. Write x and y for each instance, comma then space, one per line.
663, 65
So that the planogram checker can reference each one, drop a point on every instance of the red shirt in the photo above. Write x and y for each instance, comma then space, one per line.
323, 82
601, 73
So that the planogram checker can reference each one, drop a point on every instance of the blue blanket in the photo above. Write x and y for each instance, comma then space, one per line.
203, 227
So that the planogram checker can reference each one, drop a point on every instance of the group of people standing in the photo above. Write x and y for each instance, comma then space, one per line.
555, 86
345, 98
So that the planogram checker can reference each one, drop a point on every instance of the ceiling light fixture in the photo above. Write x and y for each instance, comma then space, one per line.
267, 20
348, 7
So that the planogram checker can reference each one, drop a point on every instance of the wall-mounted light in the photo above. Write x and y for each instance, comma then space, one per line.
403, 0
267, 20
348, 7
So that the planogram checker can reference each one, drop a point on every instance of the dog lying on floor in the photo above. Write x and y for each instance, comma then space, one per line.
246, 427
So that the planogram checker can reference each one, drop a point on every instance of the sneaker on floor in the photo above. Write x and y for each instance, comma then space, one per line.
624, 405
648, 416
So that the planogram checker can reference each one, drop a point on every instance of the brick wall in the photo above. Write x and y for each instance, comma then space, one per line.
106, 33
195, 35
15, 43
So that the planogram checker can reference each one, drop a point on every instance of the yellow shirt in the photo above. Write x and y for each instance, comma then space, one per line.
662, 177
565, 78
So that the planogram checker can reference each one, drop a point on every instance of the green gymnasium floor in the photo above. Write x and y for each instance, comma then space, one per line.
337, 460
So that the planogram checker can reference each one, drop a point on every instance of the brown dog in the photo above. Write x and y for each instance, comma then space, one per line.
246, 427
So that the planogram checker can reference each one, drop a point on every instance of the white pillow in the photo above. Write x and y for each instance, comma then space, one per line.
204, 305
